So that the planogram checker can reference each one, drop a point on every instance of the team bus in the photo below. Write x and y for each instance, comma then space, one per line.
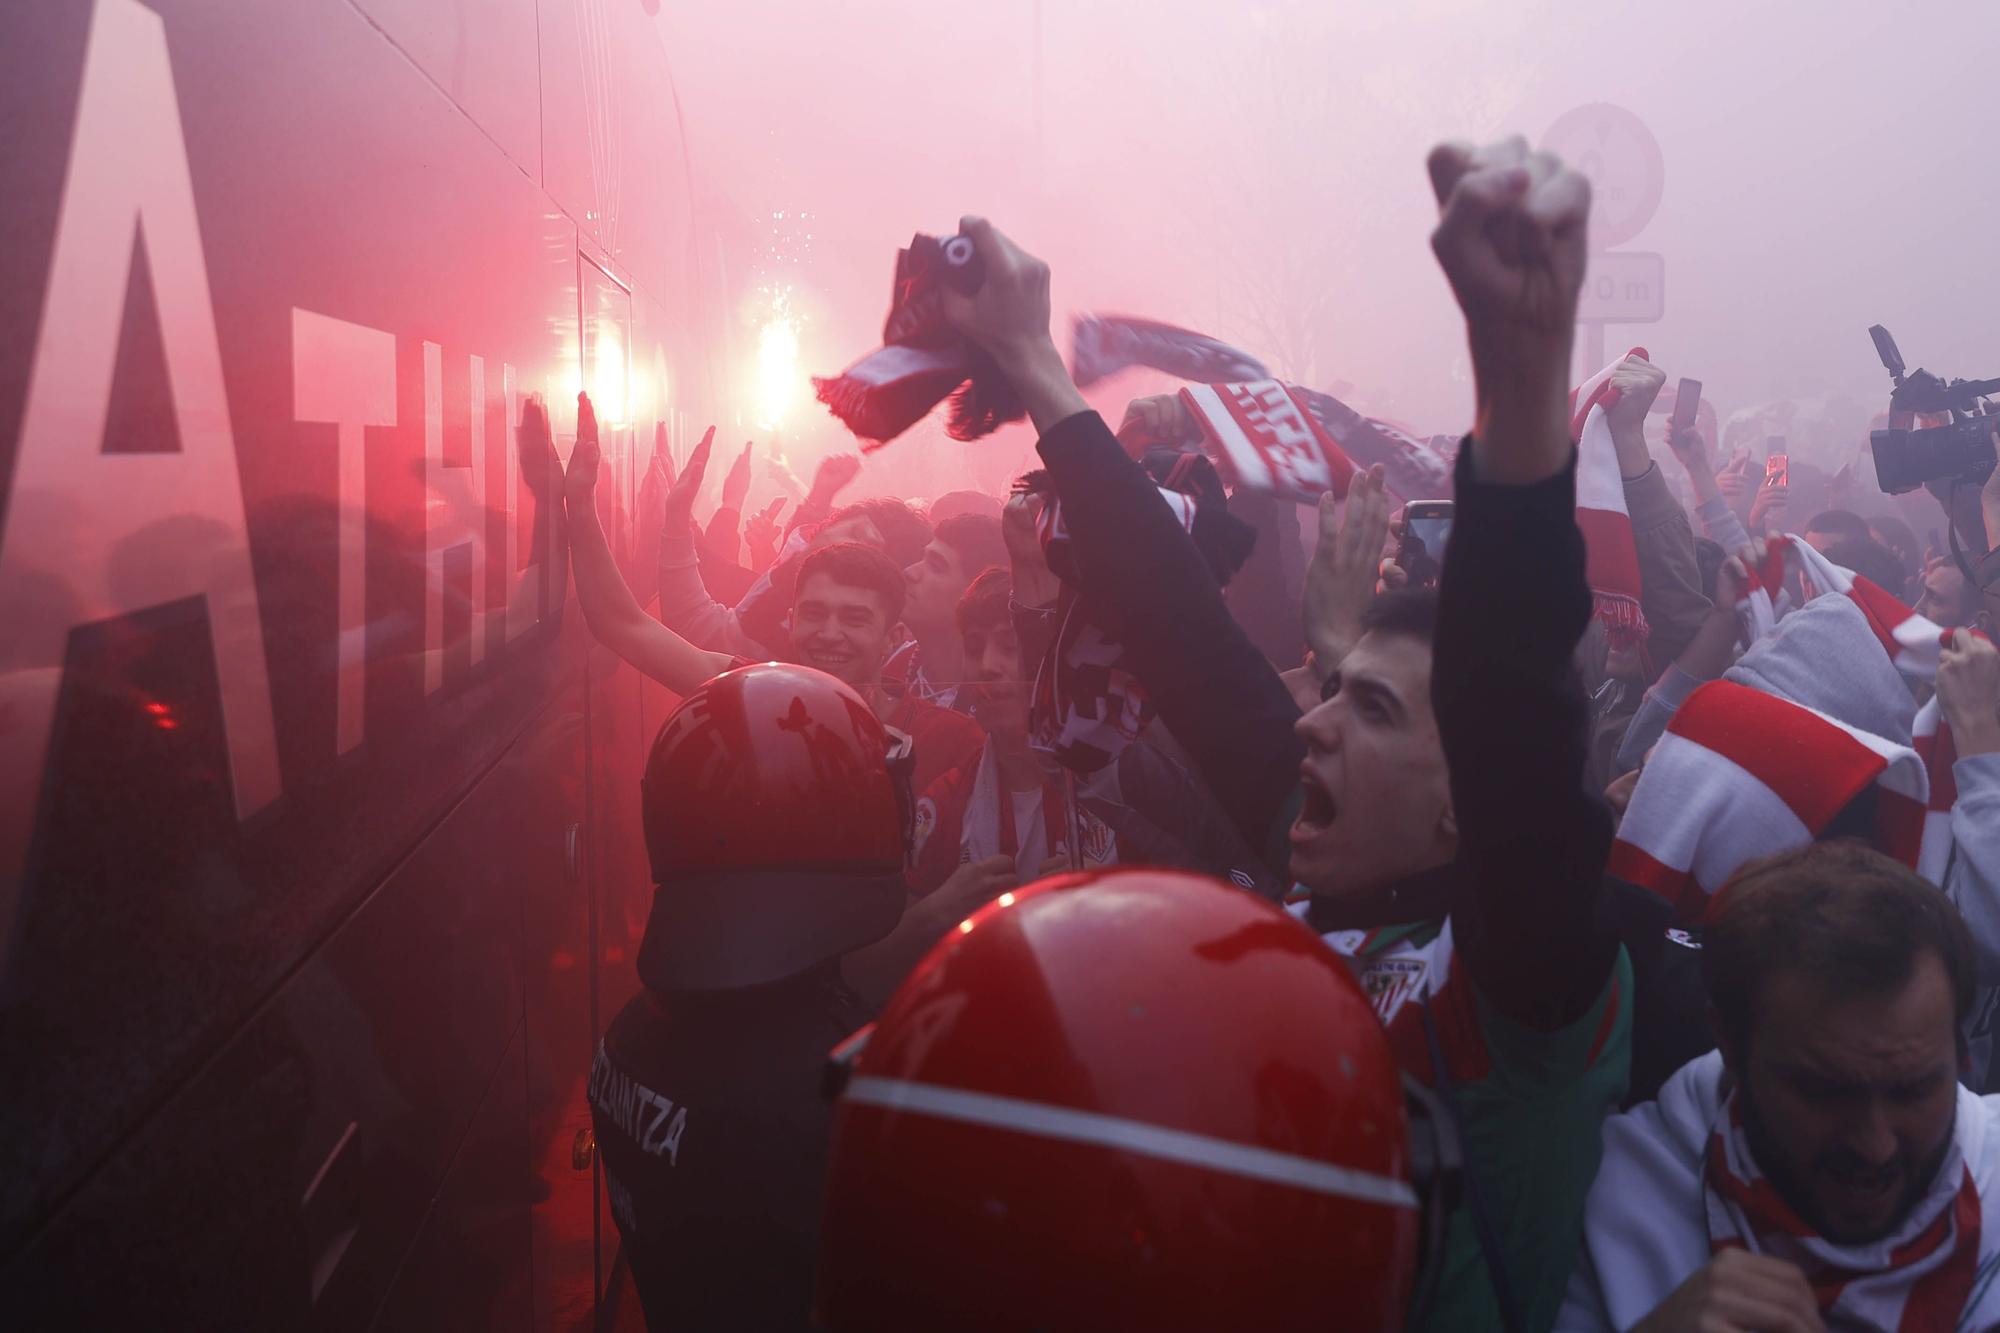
319, 858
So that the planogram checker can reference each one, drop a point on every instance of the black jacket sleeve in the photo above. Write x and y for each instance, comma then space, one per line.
1511, 713
1141, 573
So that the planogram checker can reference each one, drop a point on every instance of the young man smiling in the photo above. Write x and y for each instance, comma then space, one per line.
848, 606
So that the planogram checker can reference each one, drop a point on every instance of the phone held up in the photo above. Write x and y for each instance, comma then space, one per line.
1776, 462
1687, 406
1426, 528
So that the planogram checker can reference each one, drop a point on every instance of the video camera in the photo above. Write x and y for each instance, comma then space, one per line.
1961, 450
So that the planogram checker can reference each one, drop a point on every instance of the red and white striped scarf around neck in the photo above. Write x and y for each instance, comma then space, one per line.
1611, 556
1920, 1276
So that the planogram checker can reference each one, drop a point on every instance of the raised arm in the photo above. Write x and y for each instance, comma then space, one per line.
1137, 565
1968, 694
685, 605
615, 617
1513, 600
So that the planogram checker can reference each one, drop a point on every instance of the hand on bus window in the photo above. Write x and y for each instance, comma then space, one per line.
539, 465
680, 500
580, 478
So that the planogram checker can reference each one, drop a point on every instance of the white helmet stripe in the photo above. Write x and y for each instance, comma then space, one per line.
1109, 1131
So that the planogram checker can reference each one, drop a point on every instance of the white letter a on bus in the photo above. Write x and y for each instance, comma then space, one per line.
128, 171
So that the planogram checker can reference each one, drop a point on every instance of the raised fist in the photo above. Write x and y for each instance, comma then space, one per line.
1510, 237
1638, 382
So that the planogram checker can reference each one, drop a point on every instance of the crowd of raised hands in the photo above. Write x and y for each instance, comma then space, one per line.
1534, 833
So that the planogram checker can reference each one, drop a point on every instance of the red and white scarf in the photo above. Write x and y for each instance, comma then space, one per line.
922, 361
1914, 644
1103, 345
1298, 443
1646, 1231
1263, 437
1741, 773
1919, 1276
1611, 561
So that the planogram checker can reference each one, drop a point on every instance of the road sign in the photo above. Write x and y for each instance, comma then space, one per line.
1625, 287
1620, 157
1615, 151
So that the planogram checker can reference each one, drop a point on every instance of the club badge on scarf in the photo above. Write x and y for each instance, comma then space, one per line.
1611, 556
1103, 345
921, 361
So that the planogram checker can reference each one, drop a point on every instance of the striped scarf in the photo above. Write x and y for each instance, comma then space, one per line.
1611, 554
1742, 773
1678, 1184
1920, 1276
1913, 643
922, 360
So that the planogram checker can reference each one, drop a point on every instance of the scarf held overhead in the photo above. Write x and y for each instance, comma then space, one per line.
921, 361
1103, 345
1298, 443
1262, 437
1611, 556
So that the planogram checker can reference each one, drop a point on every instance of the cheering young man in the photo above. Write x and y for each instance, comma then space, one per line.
1433, 804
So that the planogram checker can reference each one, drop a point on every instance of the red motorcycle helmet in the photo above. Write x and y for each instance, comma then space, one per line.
1130, 1099
777, 810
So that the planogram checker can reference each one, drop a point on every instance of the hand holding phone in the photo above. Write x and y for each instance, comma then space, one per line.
1426, 529
1687, 405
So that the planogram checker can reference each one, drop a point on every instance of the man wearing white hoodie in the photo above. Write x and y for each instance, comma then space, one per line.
1823, 1168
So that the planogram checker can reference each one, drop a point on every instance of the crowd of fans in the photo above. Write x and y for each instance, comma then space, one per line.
1486, 962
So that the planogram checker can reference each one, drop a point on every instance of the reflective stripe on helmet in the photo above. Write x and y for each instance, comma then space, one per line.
1110, 1131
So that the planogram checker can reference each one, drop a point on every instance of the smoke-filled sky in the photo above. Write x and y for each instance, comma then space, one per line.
1255, 169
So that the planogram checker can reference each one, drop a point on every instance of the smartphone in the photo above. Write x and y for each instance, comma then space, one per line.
1687, 403
1426, 528
1776, 462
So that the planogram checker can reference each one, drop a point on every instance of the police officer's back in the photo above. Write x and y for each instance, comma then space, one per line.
776, 822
